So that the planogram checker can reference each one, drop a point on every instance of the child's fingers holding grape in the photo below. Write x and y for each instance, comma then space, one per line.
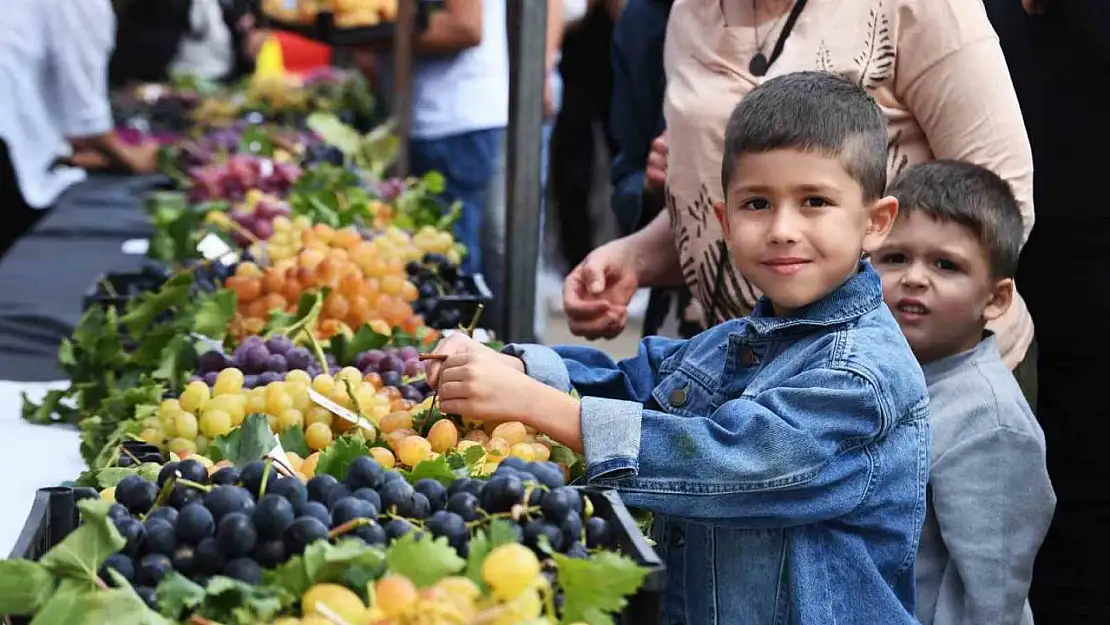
484, 386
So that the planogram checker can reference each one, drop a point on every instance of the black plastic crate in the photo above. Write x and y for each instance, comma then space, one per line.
452, 310
114, 290
643, 607
54, 515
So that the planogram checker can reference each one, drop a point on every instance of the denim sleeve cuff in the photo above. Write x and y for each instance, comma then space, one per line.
542, 364
610, 437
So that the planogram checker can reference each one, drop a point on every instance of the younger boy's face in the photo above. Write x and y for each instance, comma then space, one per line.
937, 281
796, 223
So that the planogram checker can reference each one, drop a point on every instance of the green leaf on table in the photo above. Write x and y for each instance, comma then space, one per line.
81, 553
560, 454
177, 358
25, 587
438, 469
334, 132
323, 562
144, 309
237, 603
337, 458
423, 560
44, 412
118, 605
214, 312
177, 593
293, 440
113, 475
251, 441
597, 587
498, 532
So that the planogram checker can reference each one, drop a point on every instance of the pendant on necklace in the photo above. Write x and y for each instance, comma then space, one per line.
758, 66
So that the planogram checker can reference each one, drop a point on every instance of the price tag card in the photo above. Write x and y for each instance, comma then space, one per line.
340, 411
135, 247
278, 455
480, 335
213, 247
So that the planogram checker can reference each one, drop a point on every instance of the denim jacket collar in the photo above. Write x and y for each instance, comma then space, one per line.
860, 294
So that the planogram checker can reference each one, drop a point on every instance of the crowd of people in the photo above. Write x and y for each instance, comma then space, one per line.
862, 417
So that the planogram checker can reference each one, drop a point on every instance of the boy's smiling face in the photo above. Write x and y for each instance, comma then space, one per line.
796, 223
937, 281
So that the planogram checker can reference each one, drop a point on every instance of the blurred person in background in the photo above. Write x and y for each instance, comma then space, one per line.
1055, 50
55, 111
635, 122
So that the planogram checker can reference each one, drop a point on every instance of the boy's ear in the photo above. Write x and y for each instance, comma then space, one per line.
1001, 296
880, 220
720, 210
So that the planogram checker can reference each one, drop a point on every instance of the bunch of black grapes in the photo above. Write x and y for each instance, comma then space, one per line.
435, 278
237, 523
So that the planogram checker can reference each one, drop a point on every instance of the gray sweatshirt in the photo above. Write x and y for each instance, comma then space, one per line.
989, 498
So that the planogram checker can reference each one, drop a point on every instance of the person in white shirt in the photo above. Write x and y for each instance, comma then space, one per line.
55, 109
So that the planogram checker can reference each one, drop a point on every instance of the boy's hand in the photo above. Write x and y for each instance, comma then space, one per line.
485, 385
459, 343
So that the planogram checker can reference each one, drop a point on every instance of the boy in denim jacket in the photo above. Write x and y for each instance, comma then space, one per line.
947, 269
785, 454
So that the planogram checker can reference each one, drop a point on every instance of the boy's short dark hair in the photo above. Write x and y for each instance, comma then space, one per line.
972, 196
814, 112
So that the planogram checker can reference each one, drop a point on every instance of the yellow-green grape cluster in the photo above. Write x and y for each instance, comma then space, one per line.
285, 242
397, 243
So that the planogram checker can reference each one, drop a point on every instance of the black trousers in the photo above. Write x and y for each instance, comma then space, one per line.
18, 217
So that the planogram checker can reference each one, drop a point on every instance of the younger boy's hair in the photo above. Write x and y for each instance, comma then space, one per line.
814, 112
972, 196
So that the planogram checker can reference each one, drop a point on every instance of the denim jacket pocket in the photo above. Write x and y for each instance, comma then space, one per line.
750, 568
684, 393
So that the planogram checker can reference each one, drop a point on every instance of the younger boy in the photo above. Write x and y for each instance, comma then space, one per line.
948, 268
785, 455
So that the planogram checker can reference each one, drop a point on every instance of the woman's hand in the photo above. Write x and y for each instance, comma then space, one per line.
655, 179
1034, 7
597, 292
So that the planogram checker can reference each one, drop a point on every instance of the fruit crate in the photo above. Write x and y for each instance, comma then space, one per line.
325, 30
54, 515
451, 310
114, 290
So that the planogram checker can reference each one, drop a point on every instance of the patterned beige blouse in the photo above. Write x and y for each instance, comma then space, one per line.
934, 66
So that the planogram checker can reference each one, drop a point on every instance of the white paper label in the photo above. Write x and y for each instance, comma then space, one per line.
277, 454
136, 247
213, 247
480, 335
340, 411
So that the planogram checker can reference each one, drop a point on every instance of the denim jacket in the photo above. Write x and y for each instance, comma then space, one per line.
785, 459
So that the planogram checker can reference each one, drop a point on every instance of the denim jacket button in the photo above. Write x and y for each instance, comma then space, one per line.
678, 397
748, 357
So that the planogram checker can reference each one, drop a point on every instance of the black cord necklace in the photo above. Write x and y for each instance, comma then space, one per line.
760, 63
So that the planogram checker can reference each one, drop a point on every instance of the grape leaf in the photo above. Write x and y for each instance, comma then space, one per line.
234, 602
438, 469
423, 560
337, 458
594, 588
293, 440
249, 442
113, 475
324, 562
25, 587
143, 310
119, 605
52, 404
213, 314
63, 604
346, 348
82, 552
498, 532
175, 359
177, 593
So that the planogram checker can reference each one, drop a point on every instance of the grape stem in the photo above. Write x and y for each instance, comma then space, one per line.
191, 484
200, 620
349, 526
265, 477
164, 494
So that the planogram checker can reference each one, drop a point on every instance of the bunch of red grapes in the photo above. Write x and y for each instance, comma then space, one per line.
259, 220
231, 180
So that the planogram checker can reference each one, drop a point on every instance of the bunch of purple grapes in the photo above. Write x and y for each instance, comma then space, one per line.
261, 361
390, 188
260, 221
241, 172
393, 365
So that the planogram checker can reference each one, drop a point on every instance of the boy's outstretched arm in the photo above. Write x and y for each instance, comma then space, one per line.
993, 503
791, 455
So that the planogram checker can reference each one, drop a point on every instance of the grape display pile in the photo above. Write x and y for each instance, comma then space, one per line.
435, 277
231, 180
256, 216
237, 523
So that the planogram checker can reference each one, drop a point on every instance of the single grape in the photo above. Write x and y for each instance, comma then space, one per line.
571, 527
501, 493
598, 533
210, 378
303, 532
184, 560
208, 557
118, 511
391, 364
195, 523
193, 471
251, 475
315, 510
396, 497
277, 363
211, 360
320, 486
290, 488
268, 377
257, 358
510, 569
270, 553
364, 472
160, 537
224, 476
577, 551
165, 513
224, 500
250, 380
350, 508
547, 473
279, 344
298, 358
464, 484
272, 515
421, 508
538, 532
134, 532
410, 393
244, 570
121, 564
450, 525
465, 505
136, 494
182, 496
397, 528
153, 568
236, 535
408, 352
433, 491
147, 594
167, 471
337, 492
392, 378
